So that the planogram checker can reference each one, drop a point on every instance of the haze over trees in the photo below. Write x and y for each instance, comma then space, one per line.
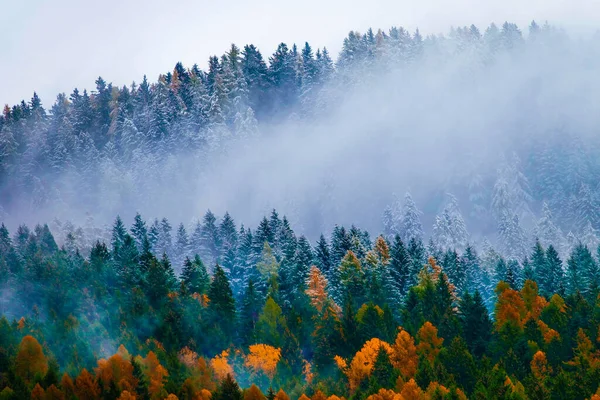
414, 220
495, 126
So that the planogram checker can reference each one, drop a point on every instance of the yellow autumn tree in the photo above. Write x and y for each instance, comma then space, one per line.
316, 288
117, 371
385, 394
201, 378
411, 391
534, 304
304, 397
220, 365
429, 343
361, 365
86, 386
268, 265
404, 355
436, 391
30, 360
263, 358
156, 374
382, 251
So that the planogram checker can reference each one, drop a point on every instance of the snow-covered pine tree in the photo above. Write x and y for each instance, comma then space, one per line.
410, 223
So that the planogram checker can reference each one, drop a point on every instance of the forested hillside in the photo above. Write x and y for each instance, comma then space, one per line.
503, 120
439, 241
350, 316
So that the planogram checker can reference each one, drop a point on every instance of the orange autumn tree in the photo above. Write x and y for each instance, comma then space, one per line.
263, 359
514, 309
385, 394
404, 355
411, 391
281, 395
220, 365
126, 395
38, 393
361, 365
117, 371
86, 386
67, 385
188, 357
54, 393
201, 382
254, 393
316, 288
30, 360
156, 374
429, 343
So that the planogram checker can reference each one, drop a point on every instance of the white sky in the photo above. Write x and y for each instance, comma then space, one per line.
54, 46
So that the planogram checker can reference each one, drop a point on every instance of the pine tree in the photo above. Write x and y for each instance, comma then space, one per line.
194, 276
449, 230
182, 245
546, 232
228, 389
399, 268
250, 310
410, 224
553, 280
210, 240
118, 236
222, 306
139, 231
476, 323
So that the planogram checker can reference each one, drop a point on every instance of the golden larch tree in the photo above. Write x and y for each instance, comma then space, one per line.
411, 391
385, 394
404, 355
126, 395
117, 371
361, 365
253, 393
316, 288
30, 360
263, 358
54, 393
429, 343
220, 365
156, 374
86, 386
38, 393
281, 395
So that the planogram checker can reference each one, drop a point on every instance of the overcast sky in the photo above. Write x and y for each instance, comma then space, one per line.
52, 47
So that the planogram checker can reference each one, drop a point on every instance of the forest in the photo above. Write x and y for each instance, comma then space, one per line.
482, 281
264, 313
503, 120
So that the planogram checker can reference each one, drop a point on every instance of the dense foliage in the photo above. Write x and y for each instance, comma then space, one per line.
265, 313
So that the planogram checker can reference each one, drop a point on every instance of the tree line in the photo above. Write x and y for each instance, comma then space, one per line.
265, 313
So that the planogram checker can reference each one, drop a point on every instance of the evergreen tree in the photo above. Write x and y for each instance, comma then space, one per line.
221, 307
410, 224
194, 276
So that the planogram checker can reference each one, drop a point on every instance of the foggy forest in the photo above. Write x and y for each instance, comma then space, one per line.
414, 218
